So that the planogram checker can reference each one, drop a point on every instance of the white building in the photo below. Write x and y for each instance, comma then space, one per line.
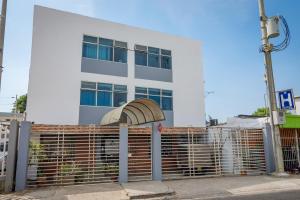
82, 67
297, 103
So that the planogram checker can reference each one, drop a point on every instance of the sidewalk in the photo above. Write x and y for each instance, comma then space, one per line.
231, 186
201, 188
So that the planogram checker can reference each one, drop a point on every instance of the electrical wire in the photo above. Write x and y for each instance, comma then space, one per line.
285, 43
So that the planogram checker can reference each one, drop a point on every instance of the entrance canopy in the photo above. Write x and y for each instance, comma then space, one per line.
136, 112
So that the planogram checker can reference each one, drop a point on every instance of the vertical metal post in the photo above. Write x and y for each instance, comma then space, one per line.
189, 153
11, 155
215, 153
23, 155
267, 47
156, 154
268, 149
193, 154
2, 31
297, 147
123, 154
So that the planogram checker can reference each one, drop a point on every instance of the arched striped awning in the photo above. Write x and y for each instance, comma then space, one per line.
136, 112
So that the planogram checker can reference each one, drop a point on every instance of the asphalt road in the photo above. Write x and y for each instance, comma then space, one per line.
287, 195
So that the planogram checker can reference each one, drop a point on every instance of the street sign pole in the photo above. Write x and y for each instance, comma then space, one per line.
267, 47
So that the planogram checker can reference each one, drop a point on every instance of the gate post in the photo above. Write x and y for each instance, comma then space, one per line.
156, 154
123, 153
268, 147
11, 155
22, 161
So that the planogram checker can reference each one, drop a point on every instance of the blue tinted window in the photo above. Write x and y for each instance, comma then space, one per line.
166, 52
89, 50
153, 50
141, 90
120, 98
88, 85
106, 42
105, 86
167, 103
120, 55
141, 96
104, 98
89, 39
154, 91
105, 53
153, 60
120, 88
166, 62
166, 92
155, 98
140, 58
88, 97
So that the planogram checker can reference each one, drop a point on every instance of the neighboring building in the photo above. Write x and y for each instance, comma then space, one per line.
246, 121
7, 117
297, 103
81, 68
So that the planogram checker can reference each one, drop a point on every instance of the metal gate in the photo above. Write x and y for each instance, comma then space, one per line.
290, 143
196, 152
139, 154
67, 155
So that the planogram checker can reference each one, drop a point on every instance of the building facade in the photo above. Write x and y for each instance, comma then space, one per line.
82, 67
297, 104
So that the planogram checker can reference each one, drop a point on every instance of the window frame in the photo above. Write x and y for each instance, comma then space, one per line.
161, 95
120, 91
107, 91
97, 89
160, 55
113, 48
153, 54
90, 43
120, 47
145, 51
165, 55
106, 46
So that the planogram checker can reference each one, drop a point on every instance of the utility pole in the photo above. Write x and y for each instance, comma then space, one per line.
267, 48
15, 104
2, 31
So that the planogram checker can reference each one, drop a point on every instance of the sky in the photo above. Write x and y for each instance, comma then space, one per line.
228, 30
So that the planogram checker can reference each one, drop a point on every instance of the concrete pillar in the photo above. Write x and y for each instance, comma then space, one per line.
23, 154
268, 147
11, 156
156, 153
123, 154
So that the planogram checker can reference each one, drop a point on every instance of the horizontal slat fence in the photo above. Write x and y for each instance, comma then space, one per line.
196, 152
67, 155
290, 143
139, 158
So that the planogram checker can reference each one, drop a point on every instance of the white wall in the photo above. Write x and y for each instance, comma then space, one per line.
55, 72
297, 102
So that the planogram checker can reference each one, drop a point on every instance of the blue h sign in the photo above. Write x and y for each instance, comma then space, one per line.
286, 99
